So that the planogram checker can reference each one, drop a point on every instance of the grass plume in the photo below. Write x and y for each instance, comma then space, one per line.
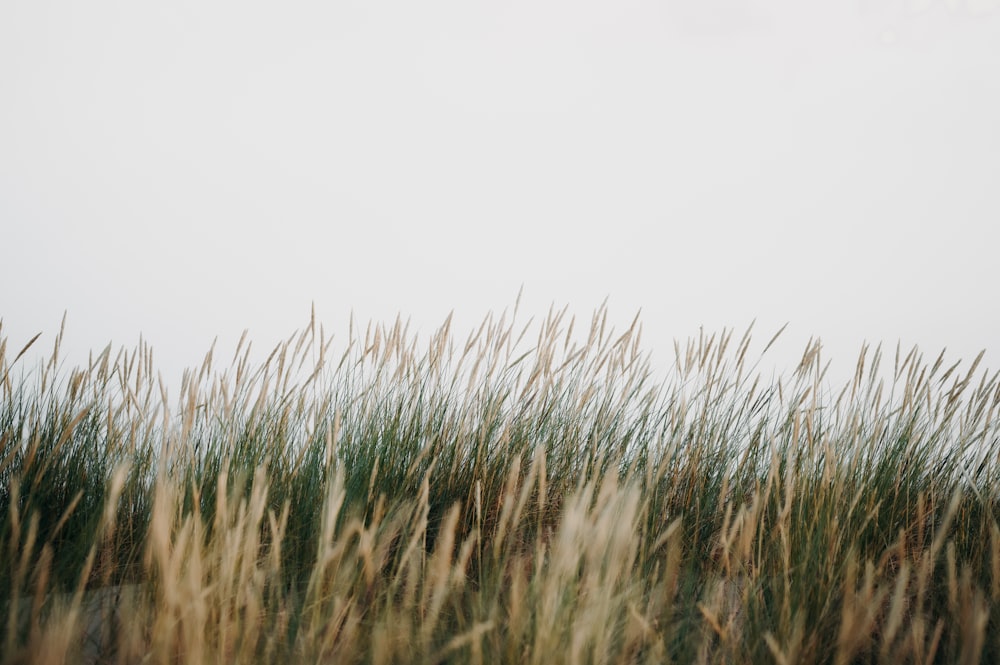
527, 493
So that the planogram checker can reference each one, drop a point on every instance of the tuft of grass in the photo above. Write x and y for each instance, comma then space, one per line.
527, 493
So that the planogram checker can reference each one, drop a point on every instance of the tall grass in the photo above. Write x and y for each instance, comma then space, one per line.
528, 493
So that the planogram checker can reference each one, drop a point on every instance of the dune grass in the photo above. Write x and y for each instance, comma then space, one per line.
526, 494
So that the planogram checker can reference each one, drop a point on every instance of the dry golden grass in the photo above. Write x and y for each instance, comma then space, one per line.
486, 502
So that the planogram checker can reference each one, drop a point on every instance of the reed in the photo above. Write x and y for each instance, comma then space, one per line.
526, 493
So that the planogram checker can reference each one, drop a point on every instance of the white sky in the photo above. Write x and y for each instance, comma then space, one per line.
191, 168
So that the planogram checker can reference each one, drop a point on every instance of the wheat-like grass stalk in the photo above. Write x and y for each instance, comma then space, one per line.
513, 497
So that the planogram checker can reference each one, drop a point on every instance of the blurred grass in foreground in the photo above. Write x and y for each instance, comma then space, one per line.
525, 494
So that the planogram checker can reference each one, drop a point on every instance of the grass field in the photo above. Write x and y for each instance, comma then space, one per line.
524, 494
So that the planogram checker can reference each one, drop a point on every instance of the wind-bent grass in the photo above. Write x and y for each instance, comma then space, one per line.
526, 494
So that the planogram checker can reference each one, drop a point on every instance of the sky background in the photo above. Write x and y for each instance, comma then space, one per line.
186, 170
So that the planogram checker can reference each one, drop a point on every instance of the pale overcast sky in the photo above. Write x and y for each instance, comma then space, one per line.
191, 168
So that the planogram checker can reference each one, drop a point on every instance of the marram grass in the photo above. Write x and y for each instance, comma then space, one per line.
527, 494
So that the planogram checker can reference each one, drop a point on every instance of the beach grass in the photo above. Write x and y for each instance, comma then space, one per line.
528, 492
